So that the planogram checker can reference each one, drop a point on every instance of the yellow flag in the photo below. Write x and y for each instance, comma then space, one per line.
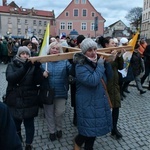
127, 55
45, 44
133, 41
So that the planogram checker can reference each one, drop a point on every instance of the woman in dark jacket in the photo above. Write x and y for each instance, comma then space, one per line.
92, 103
113, 85
21, 95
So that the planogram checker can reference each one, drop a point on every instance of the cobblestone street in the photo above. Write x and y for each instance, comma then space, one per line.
134, 124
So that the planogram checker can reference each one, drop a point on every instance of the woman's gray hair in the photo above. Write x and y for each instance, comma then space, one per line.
53, 44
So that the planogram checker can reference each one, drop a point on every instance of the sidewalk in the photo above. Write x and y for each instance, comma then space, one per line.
134, 124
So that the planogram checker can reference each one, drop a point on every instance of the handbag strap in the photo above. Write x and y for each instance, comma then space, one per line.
104, 85
22, 80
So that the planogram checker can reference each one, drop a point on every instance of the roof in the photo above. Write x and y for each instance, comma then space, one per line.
116, 23
13, 8
87, 2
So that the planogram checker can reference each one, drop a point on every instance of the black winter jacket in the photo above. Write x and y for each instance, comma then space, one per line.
22, 91
136, 64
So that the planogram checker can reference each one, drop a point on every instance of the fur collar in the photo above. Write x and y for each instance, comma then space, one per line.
80, 58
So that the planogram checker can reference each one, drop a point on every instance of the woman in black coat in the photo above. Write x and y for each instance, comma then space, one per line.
22, 92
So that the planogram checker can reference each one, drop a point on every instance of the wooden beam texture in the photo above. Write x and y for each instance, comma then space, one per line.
70, 51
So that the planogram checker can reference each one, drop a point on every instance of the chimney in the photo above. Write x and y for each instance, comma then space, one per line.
4, 2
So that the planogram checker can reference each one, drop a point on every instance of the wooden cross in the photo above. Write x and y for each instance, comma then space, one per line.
70, 51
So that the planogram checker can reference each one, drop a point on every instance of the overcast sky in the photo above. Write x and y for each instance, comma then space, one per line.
112, 11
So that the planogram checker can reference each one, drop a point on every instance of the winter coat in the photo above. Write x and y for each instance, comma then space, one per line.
113, 84
4, 48
22, 91
9, 140
92, 106
136, 64
58, 77
147, 56
10, 48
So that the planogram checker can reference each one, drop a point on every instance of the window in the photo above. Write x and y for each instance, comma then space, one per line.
93, 14
19, 21
19, 30
40, 31
83, 1
84, 13
83, 26
67, 14
34, 31
76, 12
9, 20
92, 26
62, 26
40, 23
76, 1
26, 21
34, 22
69, 25
26, 30
45, 23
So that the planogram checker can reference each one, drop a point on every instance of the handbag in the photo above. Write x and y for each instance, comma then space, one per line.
46, 93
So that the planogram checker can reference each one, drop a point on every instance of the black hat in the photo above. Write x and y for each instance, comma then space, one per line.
80, 38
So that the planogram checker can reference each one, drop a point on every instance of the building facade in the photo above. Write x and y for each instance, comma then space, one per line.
82, 17
145, 27
19, 22
118, 30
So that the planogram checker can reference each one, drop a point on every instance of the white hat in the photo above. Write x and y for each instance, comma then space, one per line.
86, 44
123, 40
34, 40
115, 40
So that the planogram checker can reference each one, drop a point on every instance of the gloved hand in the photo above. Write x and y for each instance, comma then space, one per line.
37, 64
27, 64
101, 61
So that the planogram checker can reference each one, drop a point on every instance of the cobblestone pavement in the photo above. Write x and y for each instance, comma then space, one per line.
134, 124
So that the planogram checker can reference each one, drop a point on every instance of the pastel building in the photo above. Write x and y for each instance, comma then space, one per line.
80, 16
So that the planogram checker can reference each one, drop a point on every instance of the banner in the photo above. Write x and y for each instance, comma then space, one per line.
45, 44
127, 55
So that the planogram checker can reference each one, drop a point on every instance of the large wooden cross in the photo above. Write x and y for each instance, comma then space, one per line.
70, 51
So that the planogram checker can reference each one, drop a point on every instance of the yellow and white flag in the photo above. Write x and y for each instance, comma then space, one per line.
127, 55
45, 44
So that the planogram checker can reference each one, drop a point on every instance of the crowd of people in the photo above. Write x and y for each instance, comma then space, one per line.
96, 87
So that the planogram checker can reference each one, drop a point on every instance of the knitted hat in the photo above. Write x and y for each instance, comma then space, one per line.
86, 44
23, 49
80, 38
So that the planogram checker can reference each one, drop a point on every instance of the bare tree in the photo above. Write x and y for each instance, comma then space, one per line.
135, 16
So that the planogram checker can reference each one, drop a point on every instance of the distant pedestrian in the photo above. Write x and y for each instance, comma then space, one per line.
146, 58
138, 68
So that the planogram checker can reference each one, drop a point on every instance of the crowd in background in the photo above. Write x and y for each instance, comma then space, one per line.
87, 73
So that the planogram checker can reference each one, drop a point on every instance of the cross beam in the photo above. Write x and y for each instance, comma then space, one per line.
70, 51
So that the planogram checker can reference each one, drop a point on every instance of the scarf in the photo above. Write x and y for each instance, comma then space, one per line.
20, 59
93, 59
